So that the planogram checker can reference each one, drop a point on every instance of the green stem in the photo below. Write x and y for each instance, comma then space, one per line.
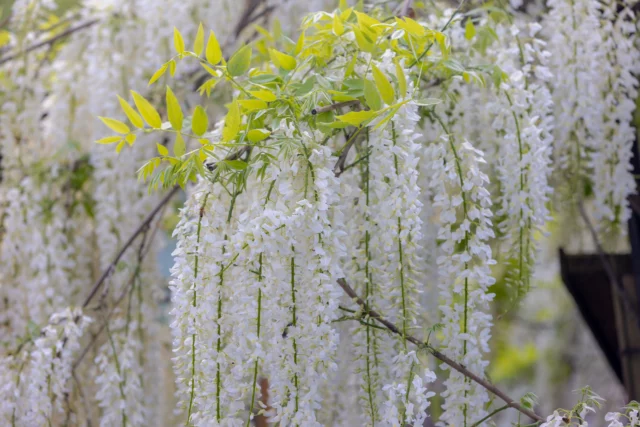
194, 303
368, 296
294, 323
500, 409
255, 366
466, 243
118, 369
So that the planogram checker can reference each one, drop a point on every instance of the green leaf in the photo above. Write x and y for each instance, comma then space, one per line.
178, 41
149, 114
469, 30
240, 61
257, 135
231, 123
263, 78
282, 60
236, 164
200, 121
109, 140
115, 125
158, 74
162, 150
428, 101
133, 116
198, 44
384, 87
179, 148
173, 110
355, 118
213, 53
372, 96
402, 80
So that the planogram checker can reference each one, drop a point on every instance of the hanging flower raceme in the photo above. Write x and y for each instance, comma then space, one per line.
458, 187
37, 379
593, 59
523, 122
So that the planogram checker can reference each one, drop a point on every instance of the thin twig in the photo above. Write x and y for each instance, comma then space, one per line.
49, 41
491, 414
438, 355
141, 228
339, 168
335, 106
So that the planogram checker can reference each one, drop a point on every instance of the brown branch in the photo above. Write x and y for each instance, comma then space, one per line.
438, 355
49, 41
141, 228
335, 106
407, 10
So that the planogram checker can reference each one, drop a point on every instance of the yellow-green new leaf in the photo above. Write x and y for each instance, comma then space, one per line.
356, 118
240, 61
263, 95
131, 114
179, 148
178, 41
402, 80
115, 125
231, 123
200, 121
162, 150
410, 26
252, 104
469, 30
158, 74
338, 26
257, 135
109, 140
119, 147
282, 60
149, 114
383, 85
173, 110
198, 44
213, 53
209, 70
371, 95
299, 44
131, 138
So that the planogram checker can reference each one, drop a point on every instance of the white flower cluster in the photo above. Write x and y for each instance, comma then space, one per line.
594, 60
523, 123
37, 378
464, 204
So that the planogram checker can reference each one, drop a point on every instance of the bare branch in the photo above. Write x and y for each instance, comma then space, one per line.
50, 41
335, 106
141, 228
511, 403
